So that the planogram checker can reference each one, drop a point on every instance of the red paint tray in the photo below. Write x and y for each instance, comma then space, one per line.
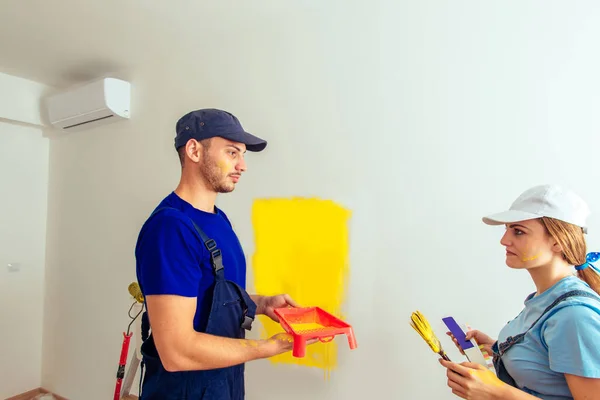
312, 323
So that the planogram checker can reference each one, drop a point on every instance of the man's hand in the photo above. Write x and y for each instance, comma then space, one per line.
267, 304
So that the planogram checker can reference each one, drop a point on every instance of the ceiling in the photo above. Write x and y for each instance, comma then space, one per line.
60, 42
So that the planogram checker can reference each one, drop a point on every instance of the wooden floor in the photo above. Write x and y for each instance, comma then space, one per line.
33, 393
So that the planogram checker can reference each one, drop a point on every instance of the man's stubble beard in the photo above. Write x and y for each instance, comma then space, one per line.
214, 176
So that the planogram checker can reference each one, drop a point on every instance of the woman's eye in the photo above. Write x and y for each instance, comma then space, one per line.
519, 232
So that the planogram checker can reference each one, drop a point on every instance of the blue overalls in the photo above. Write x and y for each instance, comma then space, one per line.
500, 349
232, 312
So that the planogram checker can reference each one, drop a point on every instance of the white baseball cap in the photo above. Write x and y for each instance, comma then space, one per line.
550, 201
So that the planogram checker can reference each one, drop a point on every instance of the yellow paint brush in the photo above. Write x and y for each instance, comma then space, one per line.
421, 325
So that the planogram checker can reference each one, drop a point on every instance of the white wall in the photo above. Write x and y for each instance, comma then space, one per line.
420, 117
23, 206
20, 100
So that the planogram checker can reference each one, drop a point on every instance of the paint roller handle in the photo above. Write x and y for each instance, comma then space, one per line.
122, 363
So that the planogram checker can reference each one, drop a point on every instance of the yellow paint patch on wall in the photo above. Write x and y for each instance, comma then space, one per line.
302, 249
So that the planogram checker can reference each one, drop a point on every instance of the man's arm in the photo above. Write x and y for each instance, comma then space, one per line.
181, 348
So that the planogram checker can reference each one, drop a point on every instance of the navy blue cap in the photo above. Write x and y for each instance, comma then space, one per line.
210, 122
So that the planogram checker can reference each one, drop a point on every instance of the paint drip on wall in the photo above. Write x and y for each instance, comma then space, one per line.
302, 250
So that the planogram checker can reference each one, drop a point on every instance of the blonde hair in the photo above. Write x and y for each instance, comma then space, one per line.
573, 245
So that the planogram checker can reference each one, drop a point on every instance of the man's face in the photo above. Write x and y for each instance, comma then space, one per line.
222, 164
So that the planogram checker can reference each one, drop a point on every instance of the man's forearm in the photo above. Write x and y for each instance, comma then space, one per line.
201, 351
181, 348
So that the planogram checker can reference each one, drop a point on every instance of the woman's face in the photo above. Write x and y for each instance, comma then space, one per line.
528, 245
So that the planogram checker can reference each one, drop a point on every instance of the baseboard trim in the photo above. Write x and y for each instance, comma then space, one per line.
26, 395
32, 393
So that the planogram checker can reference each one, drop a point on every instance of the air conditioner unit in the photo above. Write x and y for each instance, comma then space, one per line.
102, 101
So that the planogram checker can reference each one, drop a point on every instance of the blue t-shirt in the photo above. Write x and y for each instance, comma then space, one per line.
565, 341
171, 257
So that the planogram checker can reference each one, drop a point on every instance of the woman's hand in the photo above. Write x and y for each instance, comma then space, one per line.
480, 337
474, 381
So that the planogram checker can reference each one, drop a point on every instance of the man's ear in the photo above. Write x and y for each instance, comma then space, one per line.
193, 150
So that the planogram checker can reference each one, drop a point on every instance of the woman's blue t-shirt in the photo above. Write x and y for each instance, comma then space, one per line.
565, 341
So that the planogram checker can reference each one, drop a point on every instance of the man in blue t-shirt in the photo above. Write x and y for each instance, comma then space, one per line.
192, 271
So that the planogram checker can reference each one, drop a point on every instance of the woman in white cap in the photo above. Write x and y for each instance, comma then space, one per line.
551, 350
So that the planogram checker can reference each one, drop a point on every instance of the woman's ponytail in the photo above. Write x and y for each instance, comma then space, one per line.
572, 241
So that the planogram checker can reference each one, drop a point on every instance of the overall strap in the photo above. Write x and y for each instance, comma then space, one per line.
215, 254
216, 258
512, 340
560, 299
